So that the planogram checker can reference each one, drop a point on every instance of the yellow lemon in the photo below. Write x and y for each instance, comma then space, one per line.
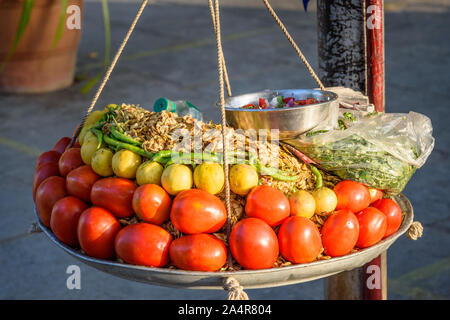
125, 163
84, 131
302, 204
149, 173
89, 147
243, 178
209, 177
101, 162
326, 200
92, 118
176, 178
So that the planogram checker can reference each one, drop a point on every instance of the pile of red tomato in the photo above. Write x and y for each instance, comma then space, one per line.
286, 102
361, 219
84, 210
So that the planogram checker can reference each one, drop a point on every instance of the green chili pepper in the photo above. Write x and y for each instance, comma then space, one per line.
349, 116
318, 175
119, 129
110, 141
100, 122
188, 156
183, 160
239, 155
123, 137
98, 125
99, 135
178, 160
161, 154
275, 173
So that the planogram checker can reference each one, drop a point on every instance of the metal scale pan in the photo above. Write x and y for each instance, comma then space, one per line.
249, 279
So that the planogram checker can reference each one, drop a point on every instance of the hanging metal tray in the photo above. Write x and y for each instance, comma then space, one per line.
249, 279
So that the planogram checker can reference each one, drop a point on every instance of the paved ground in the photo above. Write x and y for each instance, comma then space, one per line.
172, 54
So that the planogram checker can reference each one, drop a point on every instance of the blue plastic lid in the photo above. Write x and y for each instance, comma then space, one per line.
164, 104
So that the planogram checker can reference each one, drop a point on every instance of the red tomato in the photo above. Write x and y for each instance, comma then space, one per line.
46, 170
198, 252
96, 231
143, 244
393, 214
310, 101
254, 244
64, 219
51, 156
197, 211
114, 194
340, 233
76, 144
79, 182
352, 195
62, 144
299, 240
268, 204
262, 103
70, 159
375, 194
49, 191
152, 203
372, 227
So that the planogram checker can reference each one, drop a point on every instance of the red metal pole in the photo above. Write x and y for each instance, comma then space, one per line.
351, 54
374, 272
375, 52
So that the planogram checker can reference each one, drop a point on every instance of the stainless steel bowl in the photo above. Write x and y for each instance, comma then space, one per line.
290, 121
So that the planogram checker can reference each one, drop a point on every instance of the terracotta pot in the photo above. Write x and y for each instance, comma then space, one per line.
35, 67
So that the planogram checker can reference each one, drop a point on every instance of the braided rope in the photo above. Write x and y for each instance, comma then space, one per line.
415, 231
222, 111
294, 45
235, 290
34, 228
108, 72
213, 18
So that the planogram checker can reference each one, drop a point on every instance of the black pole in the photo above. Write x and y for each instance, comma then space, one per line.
341, 43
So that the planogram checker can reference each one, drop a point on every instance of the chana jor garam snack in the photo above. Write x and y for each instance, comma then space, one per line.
155, 132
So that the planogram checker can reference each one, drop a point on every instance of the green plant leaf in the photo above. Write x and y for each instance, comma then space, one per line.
60, 28
23, 23
107, 25
91, 83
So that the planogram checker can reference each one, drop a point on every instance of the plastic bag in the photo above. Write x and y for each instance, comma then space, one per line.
382, 151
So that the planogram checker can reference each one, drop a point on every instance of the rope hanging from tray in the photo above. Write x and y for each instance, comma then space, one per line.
108, 72
235, 290
213, 19
293, 44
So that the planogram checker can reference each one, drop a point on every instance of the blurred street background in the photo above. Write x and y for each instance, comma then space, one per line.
172, 54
